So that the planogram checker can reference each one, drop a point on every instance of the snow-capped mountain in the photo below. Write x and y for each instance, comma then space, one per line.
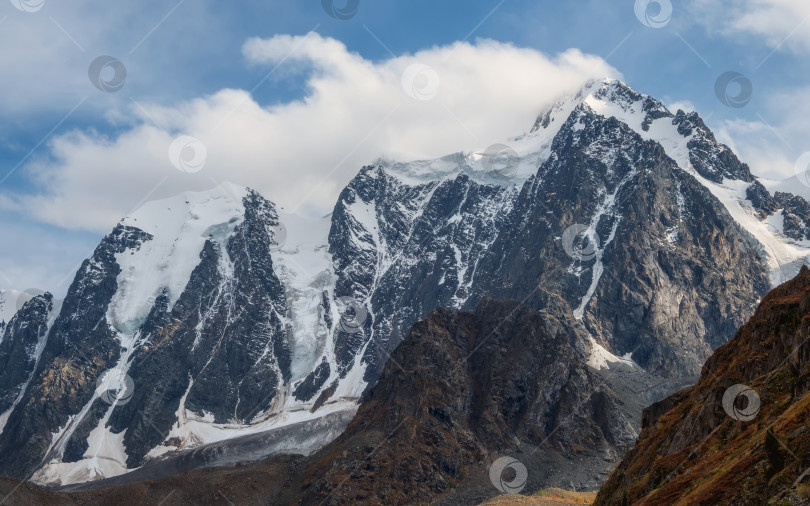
214, 315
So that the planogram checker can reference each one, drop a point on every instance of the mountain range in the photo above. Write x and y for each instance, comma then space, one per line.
431, 429
631, 243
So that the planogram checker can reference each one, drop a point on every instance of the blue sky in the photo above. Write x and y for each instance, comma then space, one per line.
182, 57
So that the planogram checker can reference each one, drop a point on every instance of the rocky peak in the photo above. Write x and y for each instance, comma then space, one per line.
613, 98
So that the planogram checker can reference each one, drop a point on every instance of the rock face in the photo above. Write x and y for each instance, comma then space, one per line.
20, 353
664, 245
214, 315
462, 390
717, 443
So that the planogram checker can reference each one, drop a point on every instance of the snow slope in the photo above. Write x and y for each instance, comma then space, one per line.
782, 253
304, 265
179, 227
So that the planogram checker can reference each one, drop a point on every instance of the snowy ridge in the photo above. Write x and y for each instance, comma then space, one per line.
179, 228
613, 98
533, 149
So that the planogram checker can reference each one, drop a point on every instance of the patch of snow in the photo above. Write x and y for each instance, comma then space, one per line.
777, 221
57, 471
180, 226
672, 235
352, 386
461, 270
105, 457
601, 358
304, 266
195, 432
606, 207
681, 201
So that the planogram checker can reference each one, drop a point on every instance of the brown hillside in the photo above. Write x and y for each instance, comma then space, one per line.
691, 451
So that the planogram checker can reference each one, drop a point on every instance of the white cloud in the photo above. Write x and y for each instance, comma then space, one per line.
772, 148
303, 152
683, 105
778, 22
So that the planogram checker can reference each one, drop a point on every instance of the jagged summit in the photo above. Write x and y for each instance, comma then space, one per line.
514, 160
684, 137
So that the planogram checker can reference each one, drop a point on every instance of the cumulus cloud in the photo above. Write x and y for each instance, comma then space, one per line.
301, 153
779, 22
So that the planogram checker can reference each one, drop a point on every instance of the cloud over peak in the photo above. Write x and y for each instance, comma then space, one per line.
302, 152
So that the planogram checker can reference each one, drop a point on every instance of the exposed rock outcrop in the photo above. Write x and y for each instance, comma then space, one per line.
718, 443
